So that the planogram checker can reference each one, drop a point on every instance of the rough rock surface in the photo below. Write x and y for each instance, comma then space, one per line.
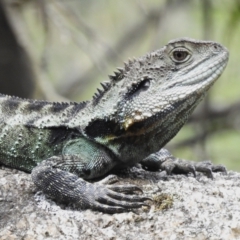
183, 208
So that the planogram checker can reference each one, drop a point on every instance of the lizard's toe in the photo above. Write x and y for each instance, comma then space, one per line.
128, 189
208, 168
124, 197
108, 199
219, 168
122, 203
178, 166
110, 179
107, 209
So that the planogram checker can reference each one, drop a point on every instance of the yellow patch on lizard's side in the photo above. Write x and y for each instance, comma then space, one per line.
136, 117
128, 123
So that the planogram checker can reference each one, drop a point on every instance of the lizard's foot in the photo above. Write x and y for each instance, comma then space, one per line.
177, 165
67, 187
115, 198
164, 160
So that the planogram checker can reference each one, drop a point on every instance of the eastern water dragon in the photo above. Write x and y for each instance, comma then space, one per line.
128, 121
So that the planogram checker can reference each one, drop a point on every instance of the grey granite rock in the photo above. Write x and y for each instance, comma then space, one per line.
183, 208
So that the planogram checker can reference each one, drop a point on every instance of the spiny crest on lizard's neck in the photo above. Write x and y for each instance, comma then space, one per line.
120, 73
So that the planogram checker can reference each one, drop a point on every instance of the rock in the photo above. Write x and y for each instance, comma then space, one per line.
183, 208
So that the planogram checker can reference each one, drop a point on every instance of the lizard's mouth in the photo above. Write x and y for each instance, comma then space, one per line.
199, 75
165, 119
208, 73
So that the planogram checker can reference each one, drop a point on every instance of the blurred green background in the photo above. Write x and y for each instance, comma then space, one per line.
69, 46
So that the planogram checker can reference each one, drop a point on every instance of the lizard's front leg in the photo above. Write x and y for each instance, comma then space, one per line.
62, 178
164, 160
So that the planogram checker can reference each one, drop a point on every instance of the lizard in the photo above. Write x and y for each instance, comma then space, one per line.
129, 120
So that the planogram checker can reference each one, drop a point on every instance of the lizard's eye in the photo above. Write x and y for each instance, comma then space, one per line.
180, 55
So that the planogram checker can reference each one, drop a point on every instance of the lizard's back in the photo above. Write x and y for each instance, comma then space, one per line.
32, 130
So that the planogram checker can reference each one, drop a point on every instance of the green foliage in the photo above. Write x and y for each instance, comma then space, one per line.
234, 19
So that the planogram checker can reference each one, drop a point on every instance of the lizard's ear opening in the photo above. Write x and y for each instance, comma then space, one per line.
141, 86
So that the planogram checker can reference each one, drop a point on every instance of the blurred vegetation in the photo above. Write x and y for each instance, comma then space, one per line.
73, 45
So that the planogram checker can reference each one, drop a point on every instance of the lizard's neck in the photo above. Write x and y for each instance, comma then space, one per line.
142, 138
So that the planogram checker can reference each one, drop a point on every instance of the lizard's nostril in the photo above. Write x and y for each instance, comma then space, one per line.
216, 47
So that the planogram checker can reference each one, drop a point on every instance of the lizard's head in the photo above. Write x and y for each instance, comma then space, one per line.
161, 87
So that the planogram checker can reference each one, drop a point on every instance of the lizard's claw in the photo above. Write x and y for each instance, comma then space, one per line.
164, 160
112, 199
110, 179
208, 168
128, 189
177, 165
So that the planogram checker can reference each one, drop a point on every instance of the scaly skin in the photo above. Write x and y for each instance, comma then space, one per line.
130, 120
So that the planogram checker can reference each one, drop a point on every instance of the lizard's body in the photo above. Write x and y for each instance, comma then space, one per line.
134, 115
